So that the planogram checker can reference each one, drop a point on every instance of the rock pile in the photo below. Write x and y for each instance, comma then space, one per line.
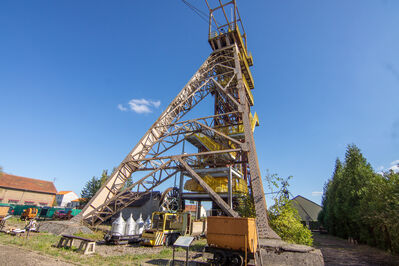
63, 228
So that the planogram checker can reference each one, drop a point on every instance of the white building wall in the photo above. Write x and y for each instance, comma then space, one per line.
63, 200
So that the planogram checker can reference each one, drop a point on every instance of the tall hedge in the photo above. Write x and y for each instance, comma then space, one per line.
362, 204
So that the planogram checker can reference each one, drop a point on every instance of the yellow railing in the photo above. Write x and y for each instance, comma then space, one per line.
211, 145
250, 96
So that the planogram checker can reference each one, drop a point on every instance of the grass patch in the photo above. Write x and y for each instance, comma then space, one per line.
198, 245
45, 244
15, 221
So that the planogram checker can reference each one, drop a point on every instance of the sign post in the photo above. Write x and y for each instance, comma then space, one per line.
183, 242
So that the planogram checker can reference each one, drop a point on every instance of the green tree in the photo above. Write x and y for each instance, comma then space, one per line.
379, 207
332, 200
92, 186
357, 172
283, 217
362, 204
245, 206
285, 221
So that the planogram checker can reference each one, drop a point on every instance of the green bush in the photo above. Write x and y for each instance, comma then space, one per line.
283, 217
285, 221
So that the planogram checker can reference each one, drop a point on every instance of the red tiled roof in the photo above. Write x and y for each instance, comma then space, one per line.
29, 184
190, 208
79, 199
63, 192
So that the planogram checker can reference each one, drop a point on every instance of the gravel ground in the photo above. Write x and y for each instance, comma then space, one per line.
14, 256
337, 251
115, 250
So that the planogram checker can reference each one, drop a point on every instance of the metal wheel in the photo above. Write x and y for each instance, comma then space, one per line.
219, 257
170, 200
236, 259
171, 238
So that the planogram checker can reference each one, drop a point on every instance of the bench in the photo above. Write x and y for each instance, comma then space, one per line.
87, 246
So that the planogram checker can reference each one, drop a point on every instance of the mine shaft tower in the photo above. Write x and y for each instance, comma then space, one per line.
226, 163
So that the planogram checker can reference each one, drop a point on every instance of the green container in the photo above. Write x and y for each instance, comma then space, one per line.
75, 212
51, 212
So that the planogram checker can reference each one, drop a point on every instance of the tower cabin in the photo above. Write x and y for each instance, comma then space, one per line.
231, 32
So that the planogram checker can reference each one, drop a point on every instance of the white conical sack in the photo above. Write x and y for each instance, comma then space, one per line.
139, 225
130, 226
118, 226
147, 223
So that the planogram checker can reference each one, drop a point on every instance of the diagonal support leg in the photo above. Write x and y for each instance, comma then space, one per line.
215, 197
264, 230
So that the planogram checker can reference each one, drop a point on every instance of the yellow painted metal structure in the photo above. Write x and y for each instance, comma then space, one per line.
218, 184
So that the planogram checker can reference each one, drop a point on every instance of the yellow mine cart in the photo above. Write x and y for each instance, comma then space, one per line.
231, 240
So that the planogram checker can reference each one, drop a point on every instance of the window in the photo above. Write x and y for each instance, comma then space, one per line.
1, 200
27, 202
43, 203
13, 201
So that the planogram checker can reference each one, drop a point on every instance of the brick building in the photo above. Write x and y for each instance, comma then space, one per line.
26, 191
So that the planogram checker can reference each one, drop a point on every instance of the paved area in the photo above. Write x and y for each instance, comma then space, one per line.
337, 251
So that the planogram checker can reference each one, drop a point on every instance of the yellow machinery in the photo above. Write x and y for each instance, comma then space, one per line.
166, 227
29, 213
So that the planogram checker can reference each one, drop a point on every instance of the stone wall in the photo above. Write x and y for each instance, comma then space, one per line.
277, 252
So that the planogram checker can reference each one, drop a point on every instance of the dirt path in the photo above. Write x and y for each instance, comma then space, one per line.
14, 256
337, 251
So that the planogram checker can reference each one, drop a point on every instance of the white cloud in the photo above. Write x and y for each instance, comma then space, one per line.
395, 168
122, 108
381, 168
317, 193
140, 106
395, 162
156, 104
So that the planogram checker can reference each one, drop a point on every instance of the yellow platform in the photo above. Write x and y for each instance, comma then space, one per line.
218, 184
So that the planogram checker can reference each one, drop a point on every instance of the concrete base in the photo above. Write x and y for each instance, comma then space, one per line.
277, 252
63, 228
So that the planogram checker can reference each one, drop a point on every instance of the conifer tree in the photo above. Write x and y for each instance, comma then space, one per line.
92, 186
362, 204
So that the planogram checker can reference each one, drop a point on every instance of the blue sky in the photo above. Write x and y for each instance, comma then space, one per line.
326, 75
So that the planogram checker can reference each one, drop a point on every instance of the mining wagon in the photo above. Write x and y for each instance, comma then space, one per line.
232, 241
